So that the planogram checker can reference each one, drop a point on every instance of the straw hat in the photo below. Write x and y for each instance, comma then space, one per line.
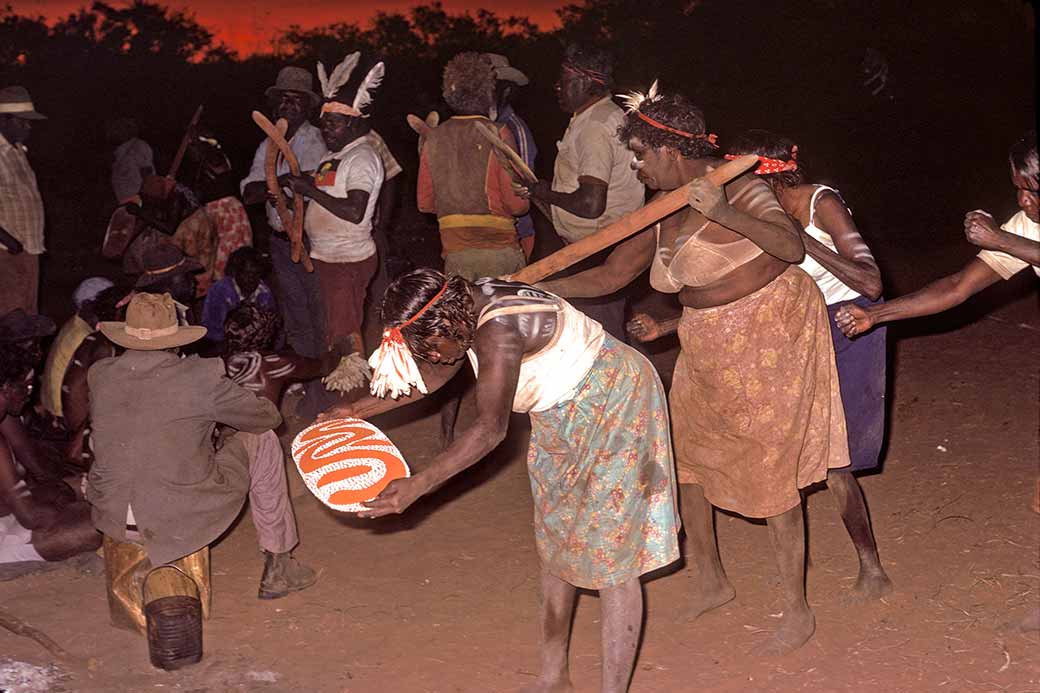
151, 324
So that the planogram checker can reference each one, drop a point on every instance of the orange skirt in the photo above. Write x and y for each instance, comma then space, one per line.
755, 403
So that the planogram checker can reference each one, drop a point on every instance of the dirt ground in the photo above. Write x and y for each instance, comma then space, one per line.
445, 598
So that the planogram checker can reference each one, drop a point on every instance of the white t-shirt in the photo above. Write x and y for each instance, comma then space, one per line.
308, 146
1006, 265
355, 167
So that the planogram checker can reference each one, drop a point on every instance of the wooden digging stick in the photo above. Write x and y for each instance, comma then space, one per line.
627, 225
20, 627
184, 144
512, 163
276, 138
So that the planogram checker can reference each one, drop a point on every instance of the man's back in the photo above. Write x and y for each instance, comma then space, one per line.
153, 416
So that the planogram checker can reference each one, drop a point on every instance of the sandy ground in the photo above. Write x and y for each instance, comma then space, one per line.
444, 598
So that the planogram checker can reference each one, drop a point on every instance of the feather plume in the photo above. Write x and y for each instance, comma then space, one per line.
330, 84
634, 100
352, 372
394, 370
372, 80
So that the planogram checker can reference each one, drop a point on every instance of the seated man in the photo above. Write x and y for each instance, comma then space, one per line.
33, 527
157, 474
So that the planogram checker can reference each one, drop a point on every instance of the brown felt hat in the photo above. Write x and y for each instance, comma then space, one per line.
163, 261
18, 326
151, 324
294, 79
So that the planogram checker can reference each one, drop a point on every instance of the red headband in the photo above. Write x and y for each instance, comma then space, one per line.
422, 310
712, 138
597, 77
767, 166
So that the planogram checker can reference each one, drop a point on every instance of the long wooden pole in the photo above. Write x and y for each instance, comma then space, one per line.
516, 167
175, 166
628, 225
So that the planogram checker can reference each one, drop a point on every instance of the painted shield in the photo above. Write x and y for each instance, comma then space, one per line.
345, 462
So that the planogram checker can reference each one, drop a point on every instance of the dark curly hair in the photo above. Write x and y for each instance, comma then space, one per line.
452, 317
772, 146
247, 256
468, 84
675, 111
15, 363
1023, 157
591, 58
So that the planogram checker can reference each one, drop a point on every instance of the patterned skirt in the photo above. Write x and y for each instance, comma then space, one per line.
755, 398
602, 475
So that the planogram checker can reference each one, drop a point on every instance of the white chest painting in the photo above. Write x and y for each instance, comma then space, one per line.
346, 462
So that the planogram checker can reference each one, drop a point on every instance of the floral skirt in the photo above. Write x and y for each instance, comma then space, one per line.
755, 398
603, 477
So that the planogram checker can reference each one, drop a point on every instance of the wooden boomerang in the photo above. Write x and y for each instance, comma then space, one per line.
628, 225
294, 226
512, 163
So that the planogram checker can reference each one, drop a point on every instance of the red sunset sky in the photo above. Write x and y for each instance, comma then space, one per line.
247, 25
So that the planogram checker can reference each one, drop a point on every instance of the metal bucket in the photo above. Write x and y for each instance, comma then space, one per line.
173, 617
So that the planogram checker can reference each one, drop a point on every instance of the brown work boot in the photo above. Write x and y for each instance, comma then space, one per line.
284, 574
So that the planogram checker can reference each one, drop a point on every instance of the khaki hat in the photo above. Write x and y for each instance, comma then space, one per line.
504, 72
17, 102
294, 79
151, 324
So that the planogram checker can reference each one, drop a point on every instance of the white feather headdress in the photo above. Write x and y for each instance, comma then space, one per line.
634, 100
371, 82
340, 74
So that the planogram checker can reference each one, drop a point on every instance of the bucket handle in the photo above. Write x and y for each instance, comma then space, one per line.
144, 585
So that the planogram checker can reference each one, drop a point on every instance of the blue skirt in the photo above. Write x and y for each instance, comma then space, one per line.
861, 375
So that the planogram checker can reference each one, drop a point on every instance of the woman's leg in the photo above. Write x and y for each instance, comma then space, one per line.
872, 583
622, 618
787, 531
557, 610
703, 549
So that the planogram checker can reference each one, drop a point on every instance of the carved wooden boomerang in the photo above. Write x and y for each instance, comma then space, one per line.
277, 144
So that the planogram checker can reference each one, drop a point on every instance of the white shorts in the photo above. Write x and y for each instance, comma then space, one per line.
16, 542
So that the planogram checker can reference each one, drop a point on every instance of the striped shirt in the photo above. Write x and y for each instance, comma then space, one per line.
21, 207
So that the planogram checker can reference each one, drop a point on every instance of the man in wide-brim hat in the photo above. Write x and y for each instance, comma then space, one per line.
157, 478
292, 97
21, 206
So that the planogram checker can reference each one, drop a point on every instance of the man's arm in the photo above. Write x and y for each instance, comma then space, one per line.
626, 262
12, 244
500, 349
236, 406
940, 295
981, 229
594, 149
25, 451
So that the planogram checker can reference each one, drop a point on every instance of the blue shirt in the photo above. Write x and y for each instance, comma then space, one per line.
223, 297
528, 151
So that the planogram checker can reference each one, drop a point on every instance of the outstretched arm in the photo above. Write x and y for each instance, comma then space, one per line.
626, 262
940, 295
500, 348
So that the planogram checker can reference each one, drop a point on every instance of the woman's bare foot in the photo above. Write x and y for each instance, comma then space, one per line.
549, 686
870, 586
707, 598
794, 631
